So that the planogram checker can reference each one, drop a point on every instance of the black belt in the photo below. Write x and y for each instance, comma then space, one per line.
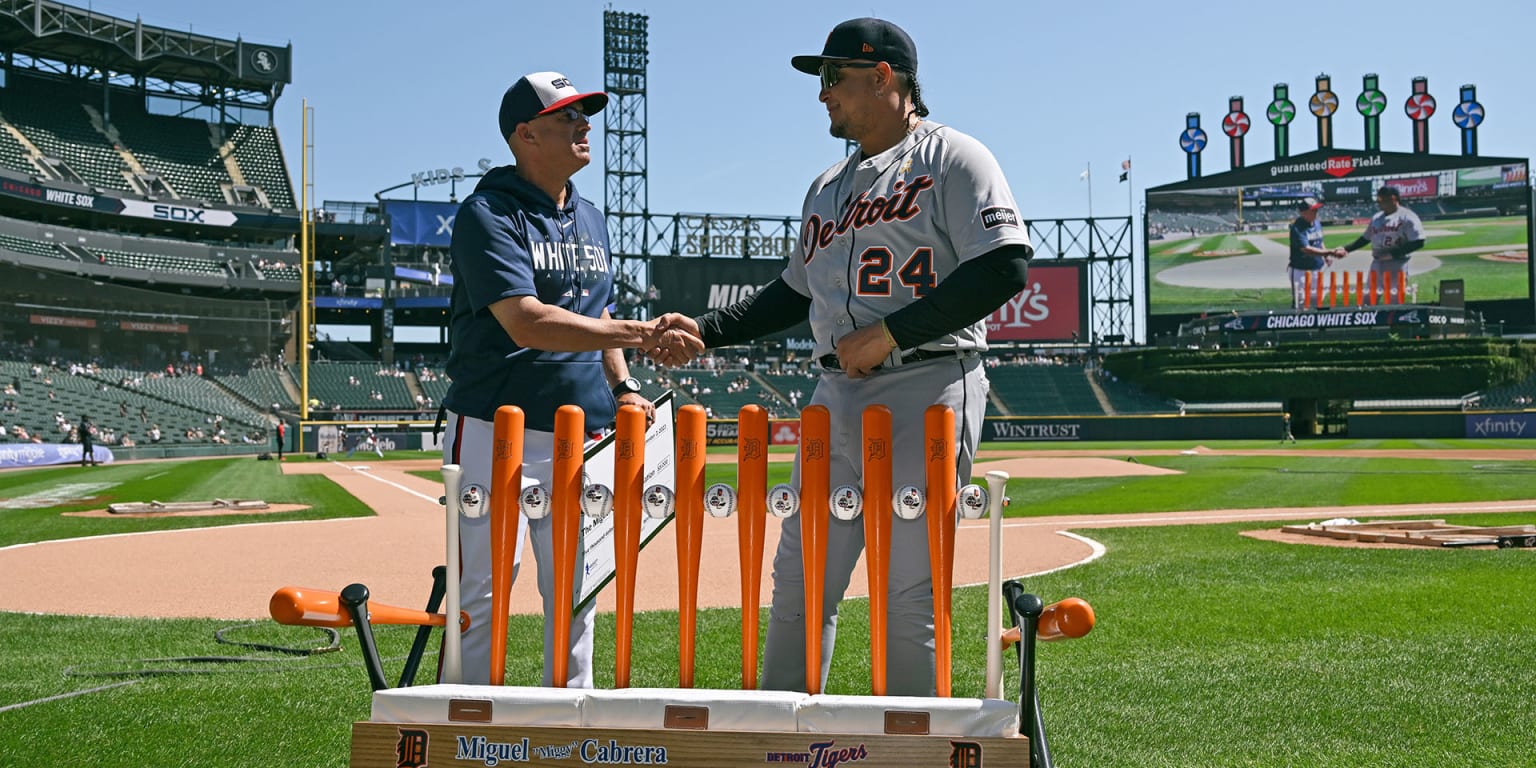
831, 363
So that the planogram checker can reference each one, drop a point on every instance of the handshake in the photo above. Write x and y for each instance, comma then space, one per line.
671, 340
1335, 254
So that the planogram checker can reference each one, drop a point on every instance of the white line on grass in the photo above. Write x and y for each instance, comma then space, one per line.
45, 699
363, 470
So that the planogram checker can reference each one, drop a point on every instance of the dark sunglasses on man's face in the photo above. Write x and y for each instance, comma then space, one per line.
569, 114
832, 71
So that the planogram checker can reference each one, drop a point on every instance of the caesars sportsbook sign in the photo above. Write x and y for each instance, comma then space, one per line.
1050, 309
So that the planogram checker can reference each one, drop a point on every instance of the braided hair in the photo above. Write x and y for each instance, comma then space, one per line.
908, 81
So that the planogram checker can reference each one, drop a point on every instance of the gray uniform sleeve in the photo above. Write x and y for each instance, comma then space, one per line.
976, 207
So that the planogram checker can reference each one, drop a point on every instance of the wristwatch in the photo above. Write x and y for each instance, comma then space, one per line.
626, 386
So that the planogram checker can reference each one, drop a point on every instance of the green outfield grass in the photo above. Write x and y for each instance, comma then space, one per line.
230, 479
1212, 649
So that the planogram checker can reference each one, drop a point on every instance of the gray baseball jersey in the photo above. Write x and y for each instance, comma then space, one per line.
879, 233
1387, 231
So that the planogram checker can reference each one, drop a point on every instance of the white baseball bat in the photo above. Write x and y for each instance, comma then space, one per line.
997, 484
453, 659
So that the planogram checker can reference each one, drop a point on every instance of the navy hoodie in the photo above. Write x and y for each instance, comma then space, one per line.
510, 239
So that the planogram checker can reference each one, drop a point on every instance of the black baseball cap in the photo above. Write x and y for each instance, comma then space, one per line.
1390, 191
867, 39
1310, 204
541, 93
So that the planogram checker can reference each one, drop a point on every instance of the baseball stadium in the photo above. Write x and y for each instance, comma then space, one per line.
1213, 518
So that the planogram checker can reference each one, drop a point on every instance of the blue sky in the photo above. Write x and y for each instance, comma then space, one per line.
402, 87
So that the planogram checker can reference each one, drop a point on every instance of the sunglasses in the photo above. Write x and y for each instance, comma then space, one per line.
832, 71
571, 114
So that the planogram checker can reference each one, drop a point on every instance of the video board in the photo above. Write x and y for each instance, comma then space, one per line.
1222, 243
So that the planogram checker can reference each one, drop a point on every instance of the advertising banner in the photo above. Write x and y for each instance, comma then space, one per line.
413, 222
1053, 308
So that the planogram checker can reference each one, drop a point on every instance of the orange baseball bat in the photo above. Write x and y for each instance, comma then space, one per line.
752, 515
506, 486
1066, 619
939, 458
877, 535
628, 480
691, 423
565, 521
305, 607
815, 511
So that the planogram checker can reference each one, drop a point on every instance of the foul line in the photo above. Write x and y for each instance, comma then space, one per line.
47, 699
364, 471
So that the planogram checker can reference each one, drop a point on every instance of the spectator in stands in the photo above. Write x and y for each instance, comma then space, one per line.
154, 433
1393, 234
530, 326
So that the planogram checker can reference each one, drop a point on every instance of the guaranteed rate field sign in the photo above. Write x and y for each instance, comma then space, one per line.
1222, 242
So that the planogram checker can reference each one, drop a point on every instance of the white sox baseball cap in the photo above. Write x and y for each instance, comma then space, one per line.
541, 93
1310, 204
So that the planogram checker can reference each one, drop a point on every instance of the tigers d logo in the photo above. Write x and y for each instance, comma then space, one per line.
751, 448
876, 450
936, 450
964, 754
815, 449
411, 749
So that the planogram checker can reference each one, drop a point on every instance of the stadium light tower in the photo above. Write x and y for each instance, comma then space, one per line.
626, 53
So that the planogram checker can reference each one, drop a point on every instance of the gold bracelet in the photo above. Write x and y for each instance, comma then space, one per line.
889, 339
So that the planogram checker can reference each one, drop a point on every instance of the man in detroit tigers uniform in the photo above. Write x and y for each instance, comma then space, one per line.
1393, 234
905, 248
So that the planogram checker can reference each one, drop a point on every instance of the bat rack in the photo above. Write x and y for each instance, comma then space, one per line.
1024, 611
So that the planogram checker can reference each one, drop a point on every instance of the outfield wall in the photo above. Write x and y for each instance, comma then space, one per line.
1268, 425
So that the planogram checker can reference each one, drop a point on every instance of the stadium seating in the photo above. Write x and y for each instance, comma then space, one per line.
434, 384
1126, 398
178, 149
62, 119
13, 155
1045, 390
150, 262
1520, 396
263, 387
34, 247
785, 385
260, 158
51, 114
352, 385
130, 408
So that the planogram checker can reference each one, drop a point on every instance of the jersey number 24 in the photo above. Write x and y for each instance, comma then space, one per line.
916, 274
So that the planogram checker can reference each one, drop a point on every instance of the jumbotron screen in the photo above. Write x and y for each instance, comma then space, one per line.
1226, 246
